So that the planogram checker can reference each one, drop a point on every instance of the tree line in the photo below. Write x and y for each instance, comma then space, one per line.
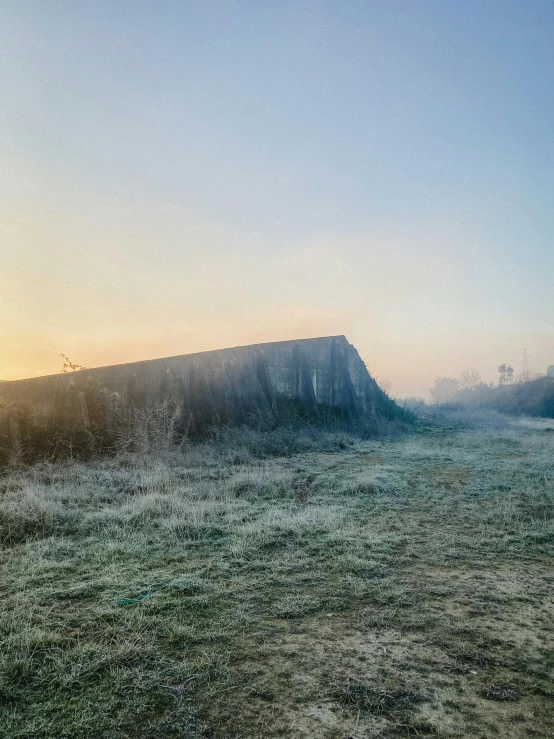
453, 389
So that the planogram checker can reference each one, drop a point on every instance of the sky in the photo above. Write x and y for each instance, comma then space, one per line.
181, 176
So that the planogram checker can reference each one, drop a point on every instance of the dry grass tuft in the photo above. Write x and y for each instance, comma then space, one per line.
501, 692
377, 699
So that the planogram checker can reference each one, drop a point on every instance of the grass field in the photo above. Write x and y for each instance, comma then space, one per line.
356, 589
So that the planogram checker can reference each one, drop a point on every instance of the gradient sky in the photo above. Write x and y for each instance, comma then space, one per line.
179, 176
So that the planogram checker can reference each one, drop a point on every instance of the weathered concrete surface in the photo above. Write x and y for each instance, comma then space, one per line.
227, 386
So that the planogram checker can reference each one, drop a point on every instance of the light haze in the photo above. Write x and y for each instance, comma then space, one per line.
187, 176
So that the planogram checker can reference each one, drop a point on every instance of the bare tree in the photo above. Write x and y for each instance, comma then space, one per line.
470, 379
444, 390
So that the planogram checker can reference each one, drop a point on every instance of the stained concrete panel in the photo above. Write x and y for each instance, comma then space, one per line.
222, 387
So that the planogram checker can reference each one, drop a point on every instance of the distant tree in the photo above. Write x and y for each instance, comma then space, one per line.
528, 376
506, 374
524, 376
444, 390
470, 379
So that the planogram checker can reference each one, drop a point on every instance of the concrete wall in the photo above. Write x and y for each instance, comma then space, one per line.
228, 386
